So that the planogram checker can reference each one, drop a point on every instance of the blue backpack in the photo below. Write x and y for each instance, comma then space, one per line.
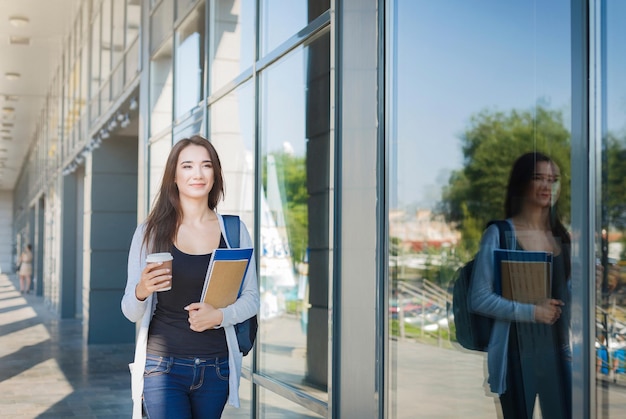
246, 330
473, 330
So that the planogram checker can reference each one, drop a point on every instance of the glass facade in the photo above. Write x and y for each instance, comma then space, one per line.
610, 304
366, 144
485, 89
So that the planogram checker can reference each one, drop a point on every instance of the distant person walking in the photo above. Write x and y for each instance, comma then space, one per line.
26, 269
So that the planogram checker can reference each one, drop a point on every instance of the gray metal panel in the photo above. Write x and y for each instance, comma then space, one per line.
583, 211
355, 387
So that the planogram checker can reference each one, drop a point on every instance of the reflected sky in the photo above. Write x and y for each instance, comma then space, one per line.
457, 58
616, 67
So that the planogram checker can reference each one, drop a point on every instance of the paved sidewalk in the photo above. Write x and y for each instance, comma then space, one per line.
48, 371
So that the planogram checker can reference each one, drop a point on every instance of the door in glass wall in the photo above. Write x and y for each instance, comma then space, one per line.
478, 129
610, 343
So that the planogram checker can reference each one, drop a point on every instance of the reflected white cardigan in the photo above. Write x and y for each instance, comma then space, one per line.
245, 307
485, 301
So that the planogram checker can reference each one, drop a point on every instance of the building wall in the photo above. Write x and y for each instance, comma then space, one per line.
110, 216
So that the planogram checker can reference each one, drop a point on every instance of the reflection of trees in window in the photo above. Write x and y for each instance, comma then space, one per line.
475, 193
615, 199
291, 171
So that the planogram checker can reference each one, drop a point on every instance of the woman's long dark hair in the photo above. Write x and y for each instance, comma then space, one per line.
519, 181
164, 218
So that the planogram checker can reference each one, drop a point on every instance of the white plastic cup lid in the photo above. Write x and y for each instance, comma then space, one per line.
159, 257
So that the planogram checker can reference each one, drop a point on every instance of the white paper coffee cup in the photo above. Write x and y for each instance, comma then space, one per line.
164, 257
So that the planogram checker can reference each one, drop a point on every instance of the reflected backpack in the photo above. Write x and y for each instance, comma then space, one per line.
473, 330
246, 330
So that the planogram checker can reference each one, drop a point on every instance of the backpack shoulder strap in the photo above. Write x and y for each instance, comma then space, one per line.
231, 226
505, 231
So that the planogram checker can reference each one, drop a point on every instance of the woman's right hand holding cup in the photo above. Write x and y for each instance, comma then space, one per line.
154, 277
548, 311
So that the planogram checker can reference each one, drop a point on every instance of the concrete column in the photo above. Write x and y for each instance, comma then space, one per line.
110, 220
69, 247
38, 220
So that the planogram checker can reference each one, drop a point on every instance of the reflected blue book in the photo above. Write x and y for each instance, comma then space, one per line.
521, 275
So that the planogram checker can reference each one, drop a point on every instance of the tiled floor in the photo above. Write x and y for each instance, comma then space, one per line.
48, 371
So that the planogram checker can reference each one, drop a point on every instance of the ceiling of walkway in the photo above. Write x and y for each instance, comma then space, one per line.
31, 36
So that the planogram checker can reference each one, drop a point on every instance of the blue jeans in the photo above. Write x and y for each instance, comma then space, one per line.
177, 388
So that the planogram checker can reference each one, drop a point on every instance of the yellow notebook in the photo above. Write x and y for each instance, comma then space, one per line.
523, 276
225, 274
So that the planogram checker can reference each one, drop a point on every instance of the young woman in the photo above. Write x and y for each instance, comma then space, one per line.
187, 360
528, 353
26, 269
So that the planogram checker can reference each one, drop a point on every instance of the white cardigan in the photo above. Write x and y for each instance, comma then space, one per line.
245, 307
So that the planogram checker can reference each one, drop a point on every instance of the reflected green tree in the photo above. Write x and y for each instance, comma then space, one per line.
291, 172
615, 199
491, 143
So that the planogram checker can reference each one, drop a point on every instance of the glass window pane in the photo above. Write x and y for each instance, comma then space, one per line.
84, 80
95, 56
277, 407
472, 87
190, 49
295, 218
182, 6
610, 322
106, 39
232, 134
161, 76
86, 19
161, 23
117, 47
189, 127
281, 19
159, 150
232, 41
133, 20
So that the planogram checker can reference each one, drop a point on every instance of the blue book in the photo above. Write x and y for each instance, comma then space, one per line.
523, 276
225, 274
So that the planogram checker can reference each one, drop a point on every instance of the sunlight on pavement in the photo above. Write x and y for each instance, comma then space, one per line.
12, 302
20, 313
23, 397
28, 336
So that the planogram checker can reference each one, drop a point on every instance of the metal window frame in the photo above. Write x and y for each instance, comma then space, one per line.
585, 111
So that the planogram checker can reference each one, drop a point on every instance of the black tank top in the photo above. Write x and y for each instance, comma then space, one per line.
169, 333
